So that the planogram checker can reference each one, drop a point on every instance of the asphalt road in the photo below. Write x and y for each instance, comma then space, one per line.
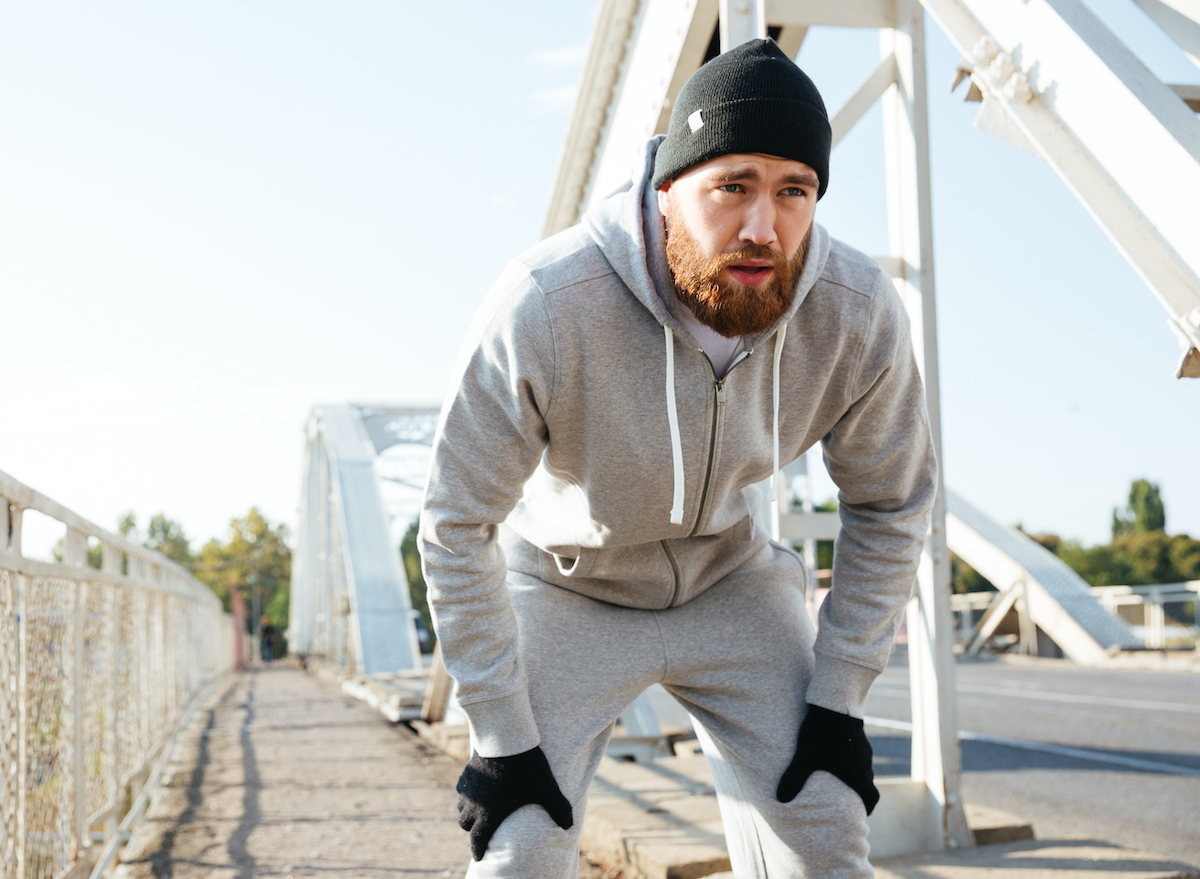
1082, 753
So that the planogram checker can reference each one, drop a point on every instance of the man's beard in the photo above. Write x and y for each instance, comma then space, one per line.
730, 308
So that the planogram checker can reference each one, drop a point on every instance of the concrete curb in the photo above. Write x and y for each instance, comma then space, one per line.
1037, 859
659, 820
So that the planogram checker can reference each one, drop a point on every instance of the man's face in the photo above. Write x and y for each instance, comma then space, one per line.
737, 226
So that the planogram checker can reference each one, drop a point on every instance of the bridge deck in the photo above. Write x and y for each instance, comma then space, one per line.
286, 776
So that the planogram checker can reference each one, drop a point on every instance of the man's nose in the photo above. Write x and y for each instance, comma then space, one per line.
758, 225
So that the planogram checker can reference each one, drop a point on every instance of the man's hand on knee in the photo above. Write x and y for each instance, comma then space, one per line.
492, 788
837, 744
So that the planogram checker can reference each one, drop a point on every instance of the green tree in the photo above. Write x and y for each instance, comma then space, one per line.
95, 553
253, 548
1144, 512
1184, 553
964, 578
417, 590
1146, 555
825, 547
1099, 565
167, 536
1051, 542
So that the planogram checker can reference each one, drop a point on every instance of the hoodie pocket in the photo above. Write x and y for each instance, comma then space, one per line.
631, 576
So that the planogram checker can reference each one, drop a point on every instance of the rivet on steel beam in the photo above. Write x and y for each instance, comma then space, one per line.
1018, 89
985, 50
1001, 67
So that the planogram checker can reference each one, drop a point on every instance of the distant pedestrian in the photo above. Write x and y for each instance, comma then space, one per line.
268, 636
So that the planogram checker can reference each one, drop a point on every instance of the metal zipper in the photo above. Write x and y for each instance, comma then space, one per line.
674, 573
719, 401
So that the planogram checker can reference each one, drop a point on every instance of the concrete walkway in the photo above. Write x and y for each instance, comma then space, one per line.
282, 775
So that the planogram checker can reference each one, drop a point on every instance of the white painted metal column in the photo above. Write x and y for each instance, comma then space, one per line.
742, 21
935, 753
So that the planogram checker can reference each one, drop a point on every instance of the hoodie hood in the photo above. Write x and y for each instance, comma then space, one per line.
628, 229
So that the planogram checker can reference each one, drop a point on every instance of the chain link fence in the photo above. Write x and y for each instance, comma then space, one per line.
96, 668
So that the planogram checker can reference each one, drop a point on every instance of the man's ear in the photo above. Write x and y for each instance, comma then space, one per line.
664, 200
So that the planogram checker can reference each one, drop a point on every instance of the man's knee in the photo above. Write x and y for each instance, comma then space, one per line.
826, 826
529, 844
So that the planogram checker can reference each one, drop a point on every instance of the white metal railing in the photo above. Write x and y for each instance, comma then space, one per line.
967, 609
1162, 615
96, 667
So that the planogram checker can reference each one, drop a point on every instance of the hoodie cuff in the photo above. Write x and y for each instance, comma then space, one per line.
839, 685
502, 727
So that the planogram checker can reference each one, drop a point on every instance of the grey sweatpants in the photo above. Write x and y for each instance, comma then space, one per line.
738, 658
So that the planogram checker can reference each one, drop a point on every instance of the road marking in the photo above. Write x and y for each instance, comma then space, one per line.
1116, 701
1046, 696
1047, 748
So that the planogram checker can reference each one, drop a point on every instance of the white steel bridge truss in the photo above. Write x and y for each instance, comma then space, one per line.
1051, 78
350, 602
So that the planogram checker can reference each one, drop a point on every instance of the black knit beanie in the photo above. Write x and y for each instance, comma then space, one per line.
751, 99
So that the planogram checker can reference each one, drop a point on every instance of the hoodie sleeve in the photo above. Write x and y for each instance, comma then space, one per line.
490, 438
881, 456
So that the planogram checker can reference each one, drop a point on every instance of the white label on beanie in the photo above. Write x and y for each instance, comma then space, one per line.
695, 122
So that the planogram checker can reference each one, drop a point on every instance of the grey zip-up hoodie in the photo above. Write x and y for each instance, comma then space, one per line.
560, 453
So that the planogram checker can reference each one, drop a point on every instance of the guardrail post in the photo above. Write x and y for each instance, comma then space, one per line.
1156, 623
111, 564
76, 557
14, 545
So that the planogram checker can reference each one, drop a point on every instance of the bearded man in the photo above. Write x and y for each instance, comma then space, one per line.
591, 525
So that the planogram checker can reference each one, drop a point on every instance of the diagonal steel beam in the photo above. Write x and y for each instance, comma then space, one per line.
1072, 89
862, 100
1180, 19
601, 74
668, 46
841, 13
994, 615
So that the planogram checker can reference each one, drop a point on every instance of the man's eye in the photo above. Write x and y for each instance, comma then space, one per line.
731, 187
794, 190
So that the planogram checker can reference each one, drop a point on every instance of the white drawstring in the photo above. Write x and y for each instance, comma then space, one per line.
673, 420
775, 402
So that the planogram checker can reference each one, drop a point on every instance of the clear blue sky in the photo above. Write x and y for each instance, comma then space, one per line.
215, 215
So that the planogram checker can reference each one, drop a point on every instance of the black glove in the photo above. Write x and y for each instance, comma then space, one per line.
836, 743
492, 788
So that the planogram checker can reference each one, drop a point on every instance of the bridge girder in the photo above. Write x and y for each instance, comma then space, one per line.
350, 601
1072, 92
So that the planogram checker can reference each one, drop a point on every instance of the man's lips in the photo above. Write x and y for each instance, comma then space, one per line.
751, 272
